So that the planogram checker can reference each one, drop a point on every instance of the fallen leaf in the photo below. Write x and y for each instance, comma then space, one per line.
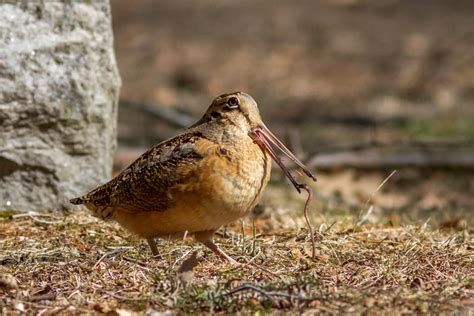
296, 253
186, 270
42, 291
8, 281
102, 308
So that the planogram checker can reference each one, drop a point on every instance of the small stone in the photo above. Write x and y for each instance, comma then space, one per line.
20, 307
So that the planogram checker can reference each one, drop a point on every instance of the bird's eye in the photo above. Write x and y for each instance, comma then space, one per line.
233, 102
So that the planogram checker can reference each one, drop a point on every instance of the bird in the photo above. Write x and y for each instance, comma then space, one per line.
208, 176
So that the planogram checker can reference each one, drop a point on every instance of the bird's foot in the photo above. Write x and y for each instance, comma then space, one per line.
214, 248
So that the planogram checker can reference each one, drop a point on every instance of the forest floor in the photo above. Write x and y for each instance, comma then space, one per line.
333, 73
73, 263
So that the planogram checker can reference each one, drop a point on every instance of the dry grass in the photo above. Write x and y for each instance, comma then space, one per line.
76, 264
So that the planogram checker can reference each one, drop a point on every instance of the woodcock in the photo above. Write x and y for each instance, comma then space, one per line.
208, 176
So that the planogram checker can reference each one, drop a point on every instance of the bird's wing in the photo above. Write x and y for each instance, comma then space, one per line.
146, 183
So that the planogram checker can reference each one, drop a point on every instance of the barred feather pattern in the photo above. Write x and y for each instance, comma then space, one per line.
142, 186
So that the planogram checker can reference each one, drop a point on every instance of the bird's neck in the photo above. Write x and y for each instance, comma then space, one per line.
224, 132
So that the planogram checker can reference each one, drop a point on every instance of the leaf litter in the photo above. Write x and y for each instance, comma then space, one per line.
77, 264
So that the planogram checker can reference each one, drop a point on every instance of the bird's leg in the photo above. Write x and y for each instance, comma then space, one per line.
205, 238
152, 244
215, 249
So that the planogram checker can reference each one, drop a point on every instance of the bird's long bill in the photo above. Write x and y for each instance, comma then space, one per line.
264, 137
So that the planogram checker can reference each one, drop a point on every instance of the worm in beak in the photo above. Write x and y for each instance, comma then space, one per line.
265, 139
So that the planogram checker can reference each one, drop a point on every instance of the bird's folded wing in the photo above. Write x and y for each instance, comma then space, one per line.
146, 183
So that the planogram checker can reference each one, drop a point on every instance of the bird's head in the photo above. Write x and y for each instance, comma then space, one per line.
237, 108
241, 110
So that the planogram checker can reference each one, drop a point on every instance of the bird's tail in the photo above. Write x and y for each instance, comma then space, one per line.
78, 201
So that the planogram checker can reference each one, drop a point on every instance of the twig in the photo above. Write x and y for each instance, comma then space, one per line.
40, 221
246, 287
271, 294
110, 253
372, 158
43, 297
32, 215
374, 143
265, 270
138, 262
169, 115
119, 247
35, 217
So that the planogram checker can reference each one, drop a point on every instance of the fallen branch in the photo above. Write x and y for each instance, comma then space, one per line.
271, 294
166, 114
394, 158
373, 155
421, 144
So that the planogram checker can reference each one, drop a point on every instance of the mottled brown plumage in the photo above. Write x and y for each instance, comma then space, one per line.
208, 176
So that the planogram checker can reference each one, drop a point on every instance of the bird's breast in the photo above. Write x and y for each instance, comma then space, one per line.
229, 181
221, 188
245, 176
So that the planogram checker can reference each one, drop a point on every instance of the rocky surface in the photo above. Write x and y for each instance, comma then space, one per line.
59, 88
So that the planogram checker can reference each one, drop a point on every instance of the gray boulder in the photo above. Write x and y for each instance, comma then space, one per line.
59, 89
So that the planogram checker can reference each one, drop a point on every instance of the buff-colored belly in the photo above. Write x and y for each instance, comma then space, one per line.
220, 192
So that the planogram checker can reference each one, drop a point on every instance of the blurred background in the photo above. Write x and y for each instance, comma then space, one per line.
357, 88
